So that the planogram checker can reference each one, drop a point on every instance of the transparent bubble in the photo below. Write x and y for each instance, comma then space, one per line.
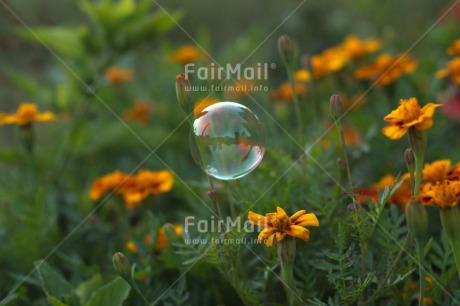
227, 140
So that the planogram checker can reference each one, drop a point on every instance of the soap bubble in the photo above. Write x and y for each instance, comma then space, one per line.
227, 140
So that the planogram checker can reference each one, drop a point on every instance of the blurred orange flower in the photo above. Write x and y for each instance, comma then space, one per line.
452, 69
444, 194
356, 48
202, 104
188, 54
117, 75
351, 135
386, 69
26, 114
284, 92
329, 61
279, 224
355, 100
140, 112
409, 114
161, 242
133, 188
335, 58
454, 49
399, 197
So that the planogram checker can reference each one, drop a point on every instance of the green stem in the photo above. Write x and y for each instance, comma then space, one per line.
138, 291
295, 98
450, 219
420, 271
418, 172
286, 254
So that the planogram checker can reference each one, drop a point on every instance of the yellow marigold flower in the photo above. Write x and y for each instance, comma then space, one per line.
106, 183
444, 194
437, 171
188, 54
279, 224
355, 48
161, 242
131, 246
386, 69
117, 75
140, 112
454, 49
452, 69
202, 104
26, 114
329, 61
409, 114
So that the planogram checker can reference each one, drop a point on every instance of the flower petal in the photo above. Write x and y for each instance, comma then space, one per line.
270, 240
299, 232
297, 214
307, 220
257, 219
46, 116
428, 110
425, 124
264, 234
280, 236
394, 131
281, 213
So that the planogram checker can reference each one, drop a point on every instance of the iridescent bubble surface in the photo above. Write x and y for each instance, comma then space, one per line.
227, 140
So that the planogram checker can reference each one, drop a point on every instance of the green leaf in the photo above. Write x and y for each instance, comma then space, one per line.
52, 281
65, 41
54, 301
86, 288
24, 82
112, 294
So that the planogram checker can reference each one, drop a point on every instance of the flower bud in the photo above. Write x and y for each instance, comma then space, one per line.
287, 50
212, 194
122, 266
450, 219
335, 106
184, 94
409, 158
417, 219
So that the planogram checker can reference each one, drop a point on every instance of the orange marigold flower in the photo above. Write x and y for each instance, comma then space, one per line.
452, 69
279, 224
202, 104
302, 75
386, 69
454, 49
356, 48
188, 54
106, 183
440, 170
145, 183
133, 188
140, 112
329, 61
409, 114
399, 197
284, 92
444, 194
161, 242
117, 75
26, 114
